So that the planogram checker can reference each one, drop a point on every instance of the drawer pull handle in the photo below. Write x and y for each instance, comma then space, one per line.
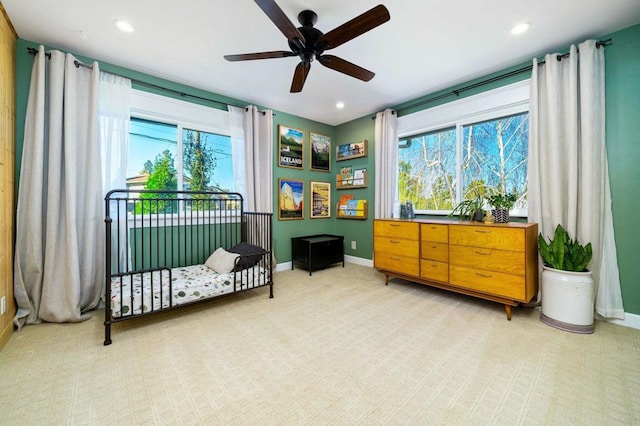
483, 275
433, 227
395, 258
394, 241
433, 247
483, 231
395, 225
483, 254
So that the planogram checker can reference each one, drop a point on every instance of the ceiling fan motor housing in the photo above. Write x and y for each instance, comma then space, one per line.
310, 49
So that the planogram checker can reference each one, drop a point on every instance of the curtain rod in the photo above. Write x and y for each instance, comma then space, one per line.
34, 51
600, 43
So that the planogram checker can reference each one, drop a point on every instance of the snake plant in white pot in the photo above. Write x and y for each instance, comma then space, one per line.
567, 284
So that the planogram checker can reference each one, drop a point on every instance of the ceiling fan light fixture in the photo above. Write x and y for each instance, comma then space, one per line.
520, 28
123, 26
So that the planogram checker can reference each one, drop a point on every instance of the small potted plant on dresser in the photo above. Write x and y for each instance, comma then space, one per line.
501, 204
567, 284
471, 208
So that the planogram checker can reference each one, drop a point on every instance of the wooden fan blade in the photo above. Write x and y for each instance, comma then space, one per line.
346, 67
260, 55
299, 77
277, 16
355, 27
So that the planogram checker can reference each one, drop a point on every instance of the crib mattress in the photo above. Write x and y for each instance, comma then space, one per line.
150, 291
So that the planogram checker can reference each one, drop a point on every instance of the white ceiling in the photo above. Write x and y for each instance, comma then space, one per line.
426, 46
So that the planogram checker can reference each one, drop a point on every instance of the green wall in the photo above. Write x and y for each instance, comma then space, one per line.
283, 230
623, 147
359, 231
622, 87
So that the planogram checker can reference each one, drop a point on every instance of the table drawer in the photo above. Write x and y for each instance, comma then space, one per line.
435, 251
393, 262
434, 232
487, 236
397, 229
397, 246
436, 271
510, 262
496, 283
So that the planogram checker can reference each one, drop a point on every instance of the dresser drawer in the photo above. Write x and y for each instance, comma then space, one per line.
487, 236
434, 232
436, 271
510, 262
435, 251
397, 246
397, 229
393, 262
496, 283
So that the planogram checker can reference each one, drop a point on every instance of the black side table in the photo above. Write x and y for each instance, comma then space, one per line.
315, 252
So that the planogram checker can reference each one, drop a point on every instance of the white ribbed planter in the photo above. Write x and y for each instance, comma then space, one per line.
567, 300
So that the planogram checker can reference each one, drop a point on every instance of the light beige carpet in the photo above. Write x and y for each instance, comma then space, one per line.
337, 348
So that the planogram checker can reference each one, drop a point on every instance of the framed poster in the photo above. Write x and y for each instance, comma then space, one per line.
351, 150
320, 152
320, 205
290, 199
290, 147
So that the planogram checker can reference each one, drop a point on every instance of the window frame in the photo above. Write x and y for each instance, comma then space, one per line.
490, 105
183, 115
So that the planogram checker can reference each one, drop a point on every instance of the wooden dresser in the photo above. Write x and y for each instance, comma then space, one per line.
497, 262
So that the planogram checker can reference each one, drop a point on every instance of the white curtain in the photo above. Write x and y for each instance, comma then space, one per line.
568, 171
258, 156
236, 116
386, 155
114, 110
59, 223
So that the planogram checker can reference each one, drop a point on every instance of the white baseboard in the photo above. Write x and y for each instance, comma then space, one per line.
630, 320
286, 266
358, 261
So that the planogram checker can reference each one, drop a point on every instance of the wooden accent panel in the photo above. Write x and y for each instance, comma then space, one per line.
488, 236
397, 246
7, 171
402, 264
499, 284
509, 262
436, 271
397, 229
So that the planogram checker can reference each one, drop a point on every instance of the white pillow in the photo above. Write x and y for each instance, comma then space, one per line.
221, 261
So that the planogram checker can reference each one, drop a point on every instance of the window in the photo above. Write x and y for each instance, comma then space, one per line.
476, 145
177, 145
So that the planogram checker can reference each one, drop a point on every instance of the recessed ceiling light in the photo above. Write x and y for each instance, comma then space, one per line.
340, 105
520, 28
124, 26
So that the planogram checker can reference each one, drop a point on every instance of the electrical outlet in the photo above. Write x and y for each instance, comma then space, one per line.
353, 245
3, 305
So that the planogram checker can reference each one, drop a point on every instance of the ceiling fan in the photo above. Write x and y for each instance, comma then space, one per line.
308, 42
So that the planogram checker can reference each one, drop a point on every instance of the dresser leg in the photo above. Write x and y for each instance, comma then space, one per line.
507, 308
386, 279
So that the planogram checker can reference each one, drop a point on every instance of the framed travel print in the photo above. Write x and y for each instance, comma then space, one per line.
351, 150
320, 205
290, 199
290, 147
320, 152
